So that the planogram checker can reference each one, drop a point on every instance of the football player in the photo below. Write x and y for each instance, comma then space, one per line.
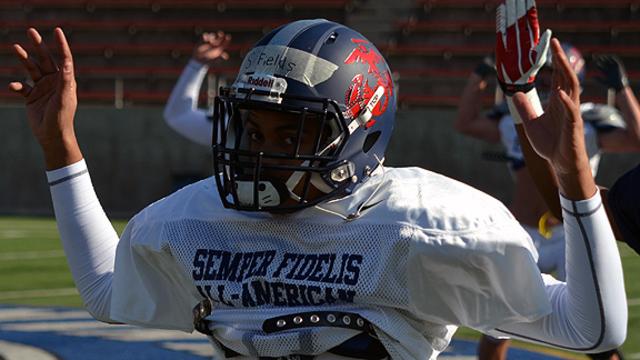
604, 130
303, 244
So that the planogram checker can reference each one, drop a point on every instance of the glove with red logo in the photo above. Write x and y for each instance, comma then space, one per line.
520, 51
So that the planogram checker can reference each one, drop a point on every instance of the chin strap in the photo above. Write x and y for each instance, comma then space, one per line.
268, 194
355, 215
316, 180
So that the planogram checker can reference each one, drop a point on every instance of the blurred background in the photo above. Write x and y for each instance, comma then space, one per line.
129, 53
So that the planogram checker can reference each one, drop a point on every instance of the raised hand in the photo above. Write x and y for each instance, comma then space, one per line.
558, 134
51, 102
486, 68
212, 46
520, 51
611, 72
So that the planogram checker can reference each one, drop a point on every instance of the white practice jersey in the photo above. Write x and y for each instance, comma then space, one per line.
181, 112
427, 253
509, 138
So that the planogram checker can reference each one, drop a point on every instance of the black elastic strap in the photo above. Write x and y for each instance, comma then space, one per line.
511, 89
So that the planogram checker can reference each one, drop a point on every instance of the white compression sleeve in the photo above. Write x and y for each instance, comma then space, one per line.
181, 112
590, 309
88, 238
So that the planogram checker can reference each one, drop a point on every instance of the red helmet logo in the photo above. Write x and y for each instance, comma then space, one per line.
360, 91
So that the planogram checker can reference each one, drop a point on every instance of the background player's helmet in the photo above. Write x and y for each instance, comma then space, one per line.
576, 60
320, 71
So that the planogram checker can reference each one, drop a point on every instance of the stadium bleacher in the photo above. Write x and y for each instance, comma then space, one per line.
142, 45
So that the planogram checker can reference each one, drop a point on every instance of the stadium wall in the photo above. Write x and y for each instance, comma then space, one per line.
135, 158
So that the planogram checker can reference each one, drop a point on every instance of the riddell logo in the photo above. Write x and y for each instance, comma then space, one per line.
261, 82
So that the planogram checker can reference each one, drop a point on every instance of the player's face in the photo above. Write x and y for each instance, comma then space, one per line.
279, 133
276, 132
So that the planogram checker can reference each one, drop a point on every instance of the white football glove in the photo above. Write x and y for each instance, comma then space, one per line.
520, 51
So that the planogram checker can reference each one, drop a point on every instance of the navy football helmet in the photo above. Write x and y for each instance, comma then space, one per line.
576, 60
337, 88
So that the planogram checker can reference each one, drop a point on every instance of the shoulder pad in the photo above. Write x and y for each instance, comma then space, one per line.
602, 116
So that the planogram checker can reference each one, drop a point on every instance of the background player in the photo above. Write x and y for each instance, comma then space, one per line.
179, 243
181, 112
605, 131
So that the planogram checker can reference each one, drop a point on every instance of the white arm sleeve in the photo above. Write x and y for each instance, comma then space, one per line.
181, 112
88, 238
590, 309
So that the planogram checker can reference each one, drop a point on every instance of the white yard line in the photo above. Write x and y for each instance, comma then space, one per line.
14, 351
21, 313
44, 293
31, 255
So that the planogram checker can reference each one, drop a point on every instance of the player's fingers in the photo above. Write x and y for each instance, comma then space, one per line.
532, 20
47, 65
28, 62
557, 79
20, 88
541, 50
524, 36
501, 21
500, 57
525, 44
218, 39
510, 12
570, 82
512, 66
225, 41
66, 57
570, 107
224, 55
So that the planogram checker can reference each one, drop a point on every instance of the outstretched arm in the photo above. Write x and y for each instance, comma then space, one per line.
88, 239
589, 310
469, 120
181, 112
611, 73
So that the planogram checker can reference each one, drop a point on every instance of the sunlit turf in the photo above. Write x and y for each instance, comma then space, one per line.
31, 258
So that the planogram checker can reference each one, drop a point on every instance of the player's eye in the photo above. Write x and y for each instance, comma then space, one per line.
255, 136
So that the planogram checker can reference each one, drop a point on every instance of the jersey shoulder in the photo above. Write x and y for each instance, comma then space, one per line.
197, 201
434, 201
194, 200
602, 117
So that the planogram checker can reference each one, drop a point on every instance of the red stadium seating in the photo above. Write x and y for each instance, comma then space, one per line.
489, 26
146, 43
632, 4
229, 25
182, 4
119, 48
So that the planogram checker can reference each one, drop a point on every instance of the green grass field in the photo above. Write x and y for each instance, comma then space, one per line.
33, 271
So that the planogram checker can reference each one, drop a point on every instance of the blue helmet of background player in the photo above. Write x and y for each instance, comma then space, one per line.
576, 60
329, 77
544, 77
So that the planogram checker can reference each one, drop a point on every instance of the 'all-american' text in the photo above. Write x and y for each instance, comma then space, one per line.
264, 278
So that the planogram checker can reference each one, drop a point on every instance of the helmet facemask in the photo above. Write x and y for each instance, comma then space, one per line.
277, 156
